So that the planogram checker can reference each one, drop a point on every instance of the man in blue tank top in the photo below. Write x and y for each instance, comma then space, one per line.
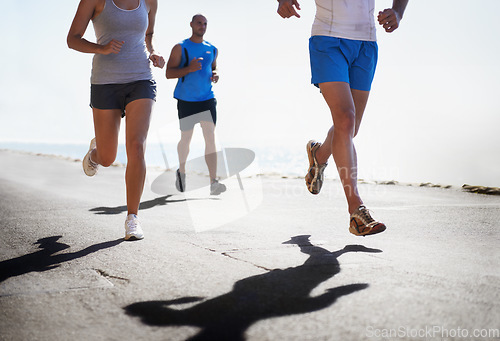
193, 62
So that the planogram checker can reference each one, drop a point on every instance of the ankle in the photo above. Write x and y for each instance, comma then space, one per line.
352, 207
322, 156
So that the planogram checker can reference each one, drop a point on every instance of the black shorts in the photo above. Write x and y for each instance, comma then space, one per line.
118, 96
191, 113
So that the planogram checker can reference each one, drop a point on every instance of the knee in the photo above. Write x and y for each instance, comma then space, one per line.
136, 150
345, 123
107, 160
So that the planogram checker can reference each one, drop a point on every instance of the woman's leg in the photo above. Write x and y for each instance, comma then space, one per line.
107, 128
138, 117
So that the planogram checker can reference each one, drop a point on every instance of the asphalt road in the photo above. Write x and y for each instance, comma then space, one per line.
269, 262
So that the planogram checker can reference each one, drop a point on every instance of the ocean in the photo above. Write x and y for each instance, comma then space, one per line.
288, 162
267, 161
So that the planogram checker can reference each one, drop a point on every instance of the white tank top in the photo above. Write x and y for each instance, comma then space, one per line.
349, 19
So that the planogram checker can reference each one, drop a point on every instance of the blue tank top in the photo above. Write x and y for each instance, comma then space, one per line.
132, 63
196, 86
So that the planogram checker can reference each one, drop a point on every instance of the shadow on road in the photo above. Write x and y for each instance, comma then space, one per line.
279, 292
46, 258
161, 201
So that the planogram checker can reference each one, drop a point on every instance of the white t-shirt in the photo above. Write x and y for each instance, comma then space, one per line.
350, 19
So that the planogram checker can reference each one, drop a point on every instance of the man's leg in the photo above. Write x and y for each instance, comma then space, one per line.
360, 99
208, 129
339, 141
183, 149
138, 115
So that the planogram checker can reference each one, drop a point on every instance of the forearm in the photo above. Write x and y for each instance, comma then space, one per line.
149, 43
82, 45
178, 72
399, 6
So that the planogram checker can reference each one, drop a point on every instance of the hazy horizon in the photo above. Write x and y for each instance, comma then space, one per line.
432, 112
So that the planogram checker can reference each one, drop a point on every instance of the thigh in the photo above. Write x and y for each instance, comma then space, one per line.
339, 98
107, 128
360, 99
138, 118
208, 129
186, 135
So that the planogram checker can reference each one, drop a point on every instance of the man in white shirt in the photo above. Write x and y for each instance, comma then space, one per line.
344, 51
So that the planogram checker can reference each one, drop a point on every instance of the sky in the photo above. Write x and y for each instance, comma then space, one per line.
433, 112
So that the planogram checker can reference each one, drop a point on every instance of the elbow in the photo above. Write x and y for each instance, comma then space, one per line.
70, 41
73, 40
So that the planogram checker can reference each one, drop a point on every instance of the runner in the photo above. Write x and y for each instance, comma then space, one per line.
122, 85
194, 63
343, 52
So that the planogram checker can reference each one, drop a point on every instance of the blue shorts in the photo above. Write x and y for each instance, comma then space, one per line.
118, 96
343, 60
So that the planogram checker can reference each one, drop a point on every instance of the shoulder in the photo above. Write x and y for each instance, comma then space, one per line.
207, 43
90, 8
151, 5
177, 48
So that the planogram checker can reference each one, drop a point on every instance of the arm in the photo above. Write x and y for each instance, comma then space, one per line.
390, 18
87, 10
286, 8
215, 75
174, 69
157, 60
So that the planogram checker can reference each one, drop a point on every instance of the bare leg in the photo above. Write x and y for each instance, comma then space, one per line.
137, 125
107, 128
360, 99
183, 149
339, 141
208, 129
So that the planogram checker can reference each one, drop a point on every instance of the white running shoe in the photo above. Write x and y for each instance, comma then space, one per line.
217, 188
133, 228
90, 167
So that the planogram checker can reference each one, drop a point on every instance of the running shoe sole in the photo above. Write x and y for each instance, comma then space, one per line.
88, 170
314, 177
180, 181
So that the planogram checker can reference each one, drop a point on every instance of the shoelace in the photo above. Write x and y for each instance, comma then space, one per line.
132, 224
365, 216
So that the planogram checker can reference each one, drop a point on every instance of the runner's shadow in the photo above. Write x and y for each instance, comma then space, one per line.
272, 294
161, 201
46, 258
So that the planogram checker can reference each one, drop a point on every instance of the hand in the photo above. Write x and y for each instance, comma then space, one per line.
389, 19
286, 8
157, 60
114, 46
215, 76
195, 64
